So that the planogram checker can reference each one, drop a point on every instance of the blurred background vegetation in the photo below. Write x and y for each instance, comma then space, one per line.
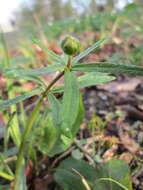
89, 20
52, 17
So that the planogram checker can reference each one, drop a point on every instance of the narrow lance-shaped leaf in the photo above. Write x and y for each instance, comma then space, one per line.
70, 100
19, 72
38, 80
87, 51
48, 52
6, 103
89, 79
109, 68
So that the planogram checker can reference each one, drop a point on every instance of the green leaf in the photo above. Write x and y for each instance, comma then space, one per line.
39, 81
88, 51
70, 105
55, 106
75, 127
109, 68
90, 79
115, 169
66, 177
61, 141
64, 142
6, 103
48, 136
49, 52
20, 72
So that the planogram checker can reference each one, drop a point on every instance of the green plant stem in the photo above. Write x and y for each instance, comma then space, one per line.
69, 62
28, 129
14, 128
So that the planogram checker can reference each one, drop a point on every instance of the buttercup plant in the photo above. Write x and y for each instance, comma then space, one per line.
65, 117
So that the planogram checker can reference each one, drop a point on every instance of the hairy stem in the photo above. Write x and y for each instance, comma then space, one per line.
20, 160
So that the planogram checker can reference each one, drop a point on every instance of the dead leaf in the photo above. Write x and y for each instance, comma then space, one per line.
127, 157
110, 153
127, 141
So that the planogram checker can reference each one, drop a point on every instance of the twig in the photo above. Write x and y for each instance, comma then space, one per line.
87, 155
55, 162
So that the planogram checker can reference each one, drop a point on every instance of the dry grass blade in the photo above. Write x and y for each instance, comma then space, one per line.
82, 179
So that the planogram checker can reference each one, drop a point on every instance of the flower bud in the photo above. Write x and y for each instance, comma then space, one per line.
70, 45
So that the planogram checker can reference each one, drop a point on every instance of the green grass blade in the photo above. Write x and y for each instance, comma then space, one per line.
14, 129
23, 114
6, 136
